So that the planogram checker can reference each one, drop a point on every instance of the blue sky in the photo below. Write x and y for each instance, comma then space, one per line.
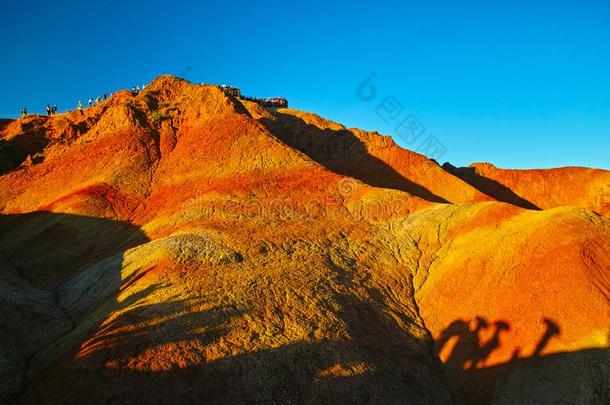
517, 83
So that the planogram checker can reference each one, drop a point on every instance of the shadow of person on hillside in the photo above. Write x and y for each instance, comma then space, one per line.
40, 251
552, 329
342, 152
465, 352
468, 342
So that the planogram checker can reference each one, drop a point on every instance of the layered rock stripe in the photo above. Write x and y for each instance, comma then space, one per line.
183, 245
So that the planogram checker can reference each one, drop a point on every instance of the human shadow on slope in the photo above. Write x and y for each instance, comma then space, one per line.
488, 186
38, 252
466, 346
342, 152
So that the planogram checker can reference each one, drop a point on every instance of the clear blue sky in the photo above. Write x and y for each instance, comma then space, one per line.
518, 83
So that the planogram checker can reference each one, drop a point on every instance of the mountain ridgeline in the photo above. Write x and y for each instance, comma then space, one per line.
184, 245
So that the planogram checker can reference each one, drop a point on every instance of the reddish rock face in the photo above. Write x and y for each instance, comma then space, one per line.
183, 245
541, 188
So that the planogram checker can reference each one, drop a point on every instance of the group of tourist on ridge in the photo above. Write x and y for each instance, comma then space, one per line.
52, 109
273, 102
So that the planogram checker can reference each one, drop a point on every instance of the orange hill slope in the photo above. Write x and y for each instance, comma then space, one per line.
370, 157
541, 188
183, 245
499, 286
171, 139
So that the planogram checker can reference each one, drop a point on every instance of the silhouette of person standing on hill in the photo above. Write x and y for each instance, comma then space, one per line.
79, 107
24, 112
105, 96
90, 102
49, 111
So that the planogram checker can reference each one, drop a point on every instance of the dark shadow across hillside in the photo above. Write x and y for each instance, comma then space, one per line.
38, 252
489, 186
342, 152
525, 378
